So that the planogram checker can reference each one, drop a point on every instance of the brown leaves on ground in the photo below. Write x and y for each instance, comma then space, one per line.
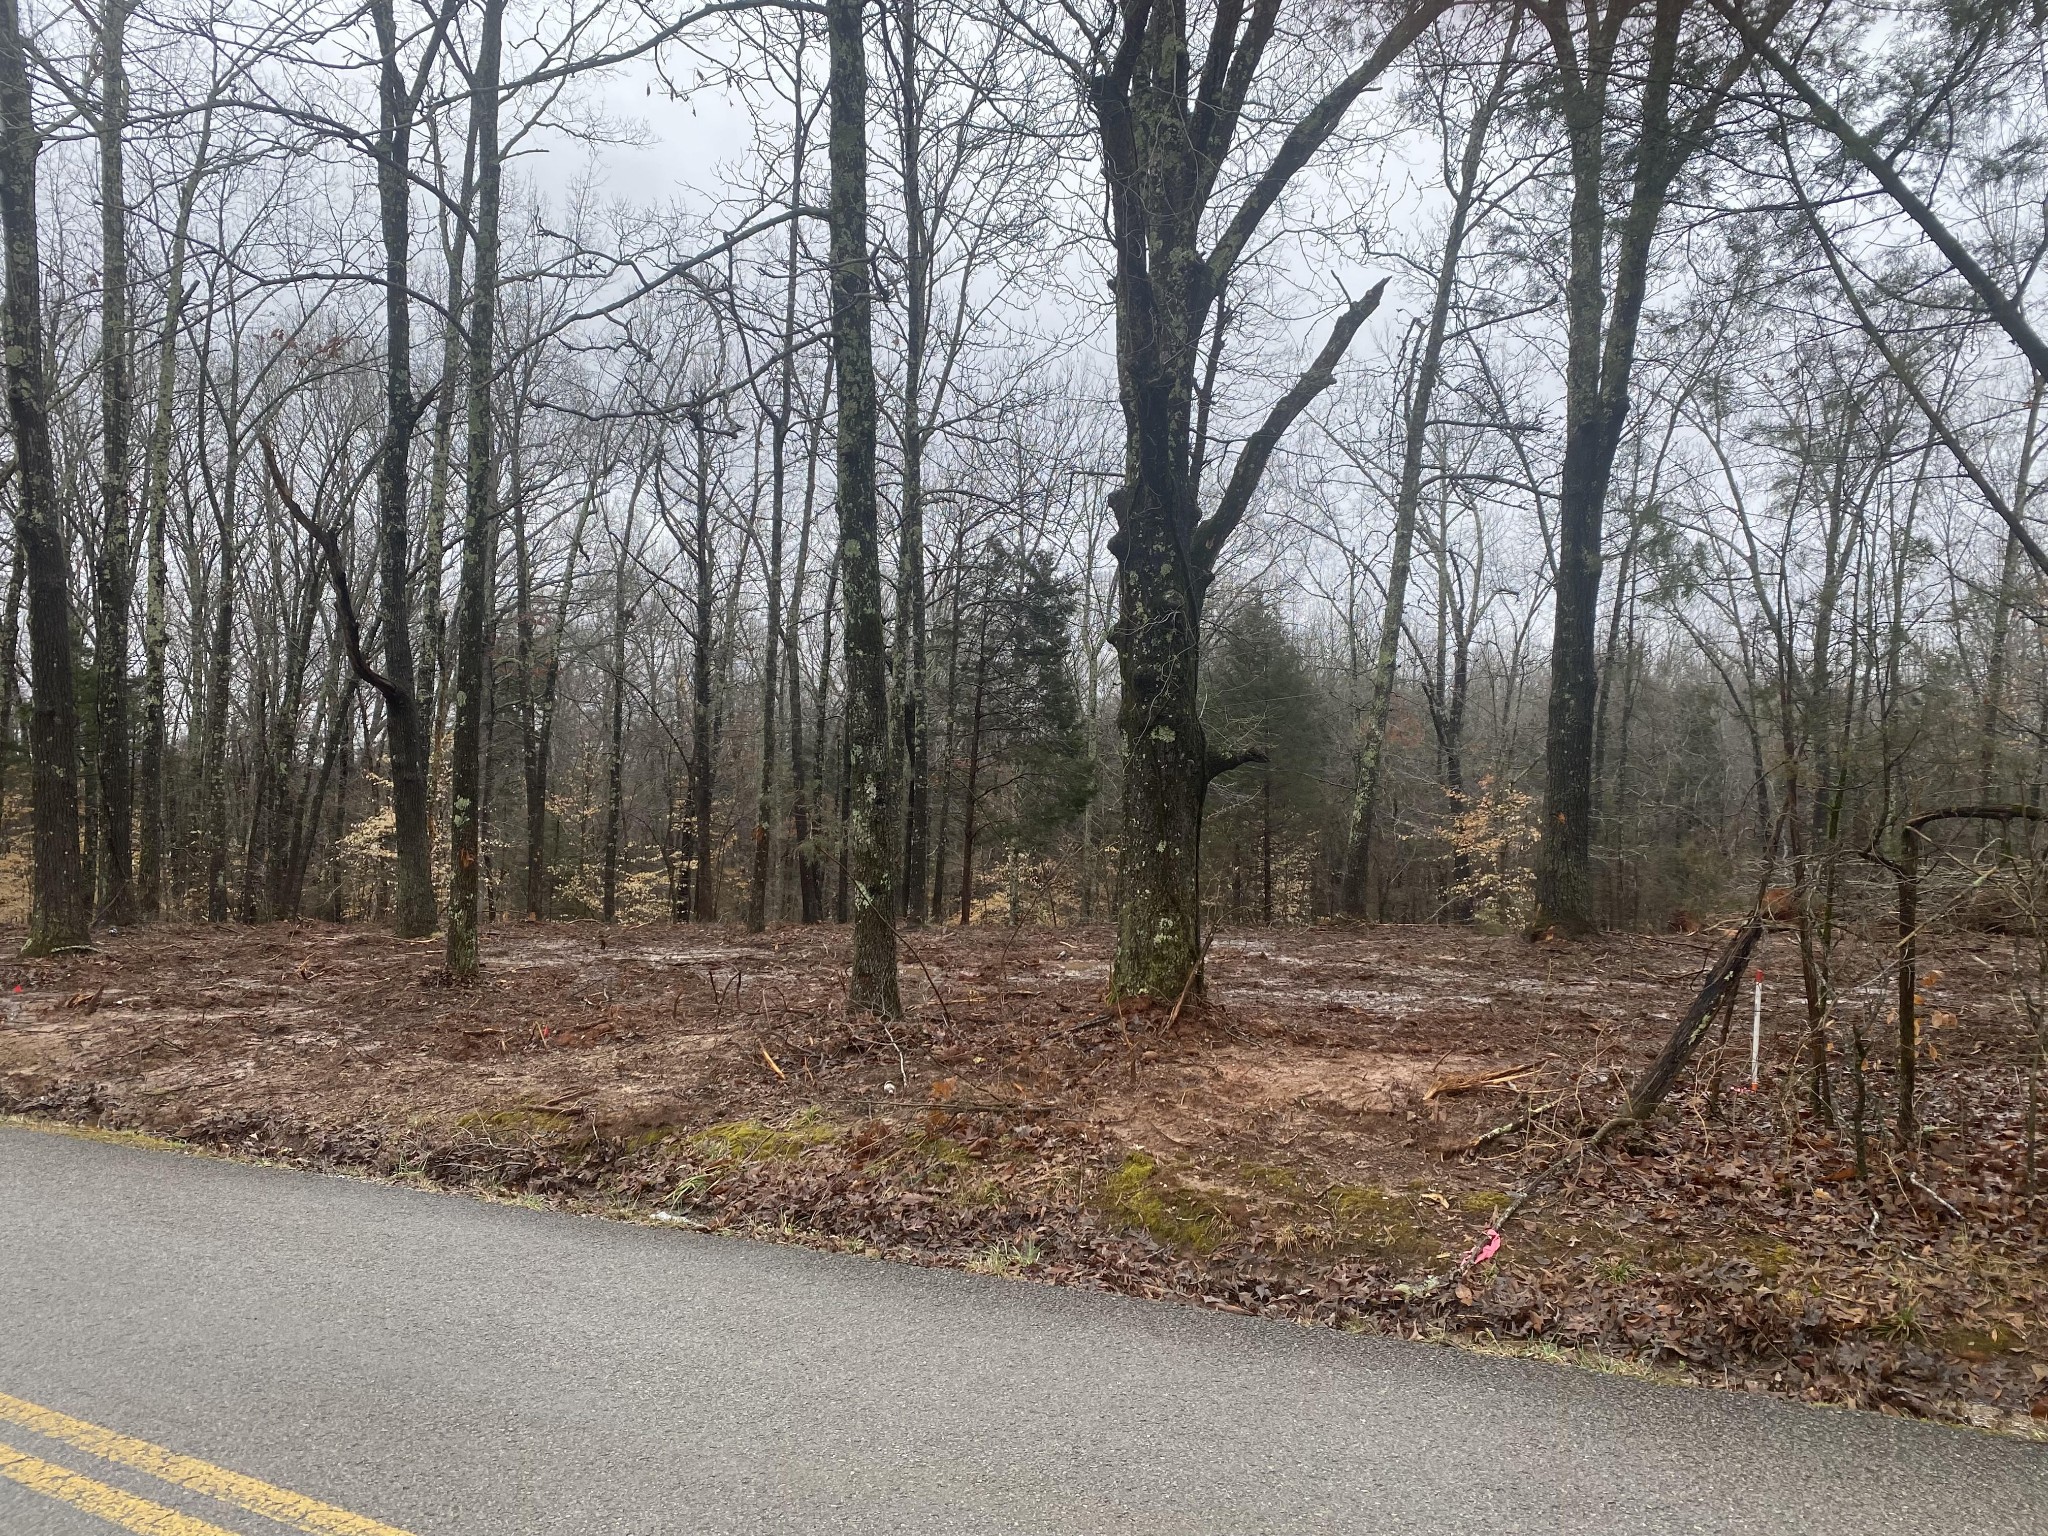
1293, 1147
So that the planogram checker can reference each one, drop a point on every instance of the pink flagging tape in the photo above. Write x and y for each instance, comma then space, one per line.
1484, 1251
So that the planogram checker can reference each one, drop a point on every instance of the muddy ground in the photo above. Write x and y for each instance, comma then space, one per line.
1300, 1145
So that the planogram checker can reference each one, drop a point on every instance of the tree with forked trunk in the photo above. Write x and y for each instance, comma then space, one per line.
1166, 124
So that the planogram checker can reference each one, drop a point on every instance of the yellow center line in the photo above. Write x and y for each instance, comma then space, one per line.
123, 1509
257, 1497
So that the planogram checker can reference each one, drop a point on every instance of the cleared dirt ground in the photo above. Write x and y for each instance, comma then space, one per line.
1300, 1144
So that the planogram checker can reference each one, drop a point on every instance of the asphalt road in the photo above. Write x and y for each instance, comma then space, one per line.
444, 1366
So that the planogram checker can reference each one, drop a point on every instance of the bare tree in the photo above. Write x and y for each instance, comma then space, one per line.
1165, 128
870, 860
466, 781
59, 900
1465, 187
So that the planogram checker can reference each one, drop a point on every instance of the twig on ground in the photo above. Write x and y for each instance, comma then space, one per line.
1187, 986
1914, 1180
1521, 1122
945, 1014
902, 1066
1090, 1022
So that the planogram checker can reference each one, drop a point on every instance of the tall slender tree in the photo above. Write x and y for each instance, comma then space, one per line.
1465, 188
156, 503
406, 724
781, 413
870, 862
911, 576
615, 708
1609, 267
59, 901
113, 571
465, 775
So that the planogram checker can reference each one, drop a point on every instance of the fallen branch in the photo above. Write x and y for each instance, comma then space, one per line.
1521, 1122
1663, 1073
1088, 1023
1914, 1180
1470, 1082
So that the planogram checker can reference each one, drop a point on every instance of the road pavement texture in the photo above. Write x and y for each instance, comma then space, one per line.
194, 1347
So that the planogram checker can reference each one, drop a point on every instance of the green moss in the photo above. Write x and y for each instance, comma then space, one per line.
1270, 1176
941, 1154
1983, 1343
1364, 1218
1138, 1196
753, 1141
644, 1140
519, 1122
1359, 1204
1771, 1256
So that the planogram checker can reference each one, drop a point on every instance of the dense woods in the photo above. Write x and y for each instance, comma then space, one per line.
1538, 466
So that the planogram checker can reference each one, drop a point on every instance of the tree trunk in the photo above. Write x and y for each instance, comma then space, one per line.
1998, 663
952, 725
912, 727
771, 679
615, 762
1266, 848
58, 899
532, 775
1165, 129
1600, 354
1908, 985
156, 493
413, 914
113, 571
870, 863
337, 690
810, 896
219, 671
841, 907
465, 772
434, 672
704, 900
1166, 773
540, 681
818, 745
10, 661
970, 798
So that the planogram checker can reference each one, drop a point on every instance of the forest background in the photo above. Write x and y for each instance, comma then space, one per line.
329, 352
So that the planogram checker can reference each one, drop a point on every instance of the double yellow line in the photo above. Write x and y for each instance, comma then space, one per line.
144, 1516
